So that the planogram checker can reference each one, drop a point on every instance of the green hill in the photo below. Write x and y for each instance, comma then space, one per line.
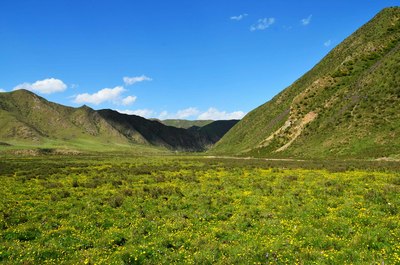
28, 120
348, 105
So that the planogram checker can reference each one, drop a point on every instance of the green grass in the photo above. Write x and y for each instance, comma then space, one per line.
81, 146
193, 210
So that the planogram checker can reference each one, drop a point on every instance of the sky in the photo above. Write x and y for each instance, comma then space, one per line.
209, 59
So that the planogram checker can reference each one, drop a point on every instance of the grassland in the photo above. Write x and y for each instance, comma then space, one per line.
196, 210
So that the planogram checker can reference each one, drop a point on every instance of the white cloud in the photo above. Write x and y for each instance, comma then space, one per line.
195, 114
327, 43
238, 18
46, 86
164, 115
189, 113
105, 95
262, 24
215, 114
2, 90
186, 113
136, 79
128, 100
306, 21
146, 113
180, 114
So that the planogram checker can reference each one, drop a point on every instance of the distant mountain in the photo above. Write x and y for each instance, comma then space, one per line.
348, 105
186, 124
28, 119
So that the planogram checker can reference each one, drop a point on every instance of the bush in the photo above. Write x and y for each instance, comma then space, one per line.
116, 201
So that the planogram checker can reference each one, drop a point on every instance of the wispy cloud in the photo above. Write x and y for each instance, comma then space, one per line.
146, 113
262, 23
135, 79
129, 100
46, 86
113, 95
327, 43
164, 115
215, 114
306, 21
238, 18
287, 28
2, 90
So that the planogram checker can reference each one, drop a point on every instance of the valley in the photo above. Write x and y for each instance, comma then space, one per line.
310, 177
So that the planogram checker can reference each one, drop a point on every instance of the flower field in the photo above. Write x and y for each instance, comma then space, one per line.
166, 210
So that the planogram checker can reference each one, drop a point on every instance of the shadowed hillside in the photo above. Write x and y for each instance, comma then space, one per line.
154, 132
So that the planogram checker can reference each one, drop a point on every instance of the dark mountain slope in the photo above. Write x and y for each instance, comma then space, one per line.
155, 132
215, 130
348, 105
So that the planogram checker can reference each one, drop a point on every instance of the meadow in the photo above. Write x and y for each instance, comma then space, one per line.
196, 210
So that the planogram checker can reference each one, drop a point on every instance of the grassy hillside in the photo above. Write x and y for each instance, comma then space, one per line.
348, 105
27, 119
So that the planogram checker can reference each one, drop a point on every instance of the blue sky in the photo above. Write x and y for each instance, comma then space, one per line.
170, 59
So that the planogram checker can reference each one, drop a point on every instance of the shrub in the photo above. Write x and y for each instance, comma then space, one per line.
116, 201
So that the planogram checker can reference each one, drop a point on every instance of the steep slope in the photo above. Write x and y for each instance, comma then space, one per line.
348, 105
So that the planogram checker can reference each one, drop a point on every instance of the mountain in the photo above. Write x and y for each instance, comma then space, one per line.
27, 119
186, 124
30, 119
155, 133
348, 105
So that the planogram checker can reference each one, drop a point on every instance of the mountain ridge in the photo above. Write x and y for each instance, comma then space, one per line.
186, 124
